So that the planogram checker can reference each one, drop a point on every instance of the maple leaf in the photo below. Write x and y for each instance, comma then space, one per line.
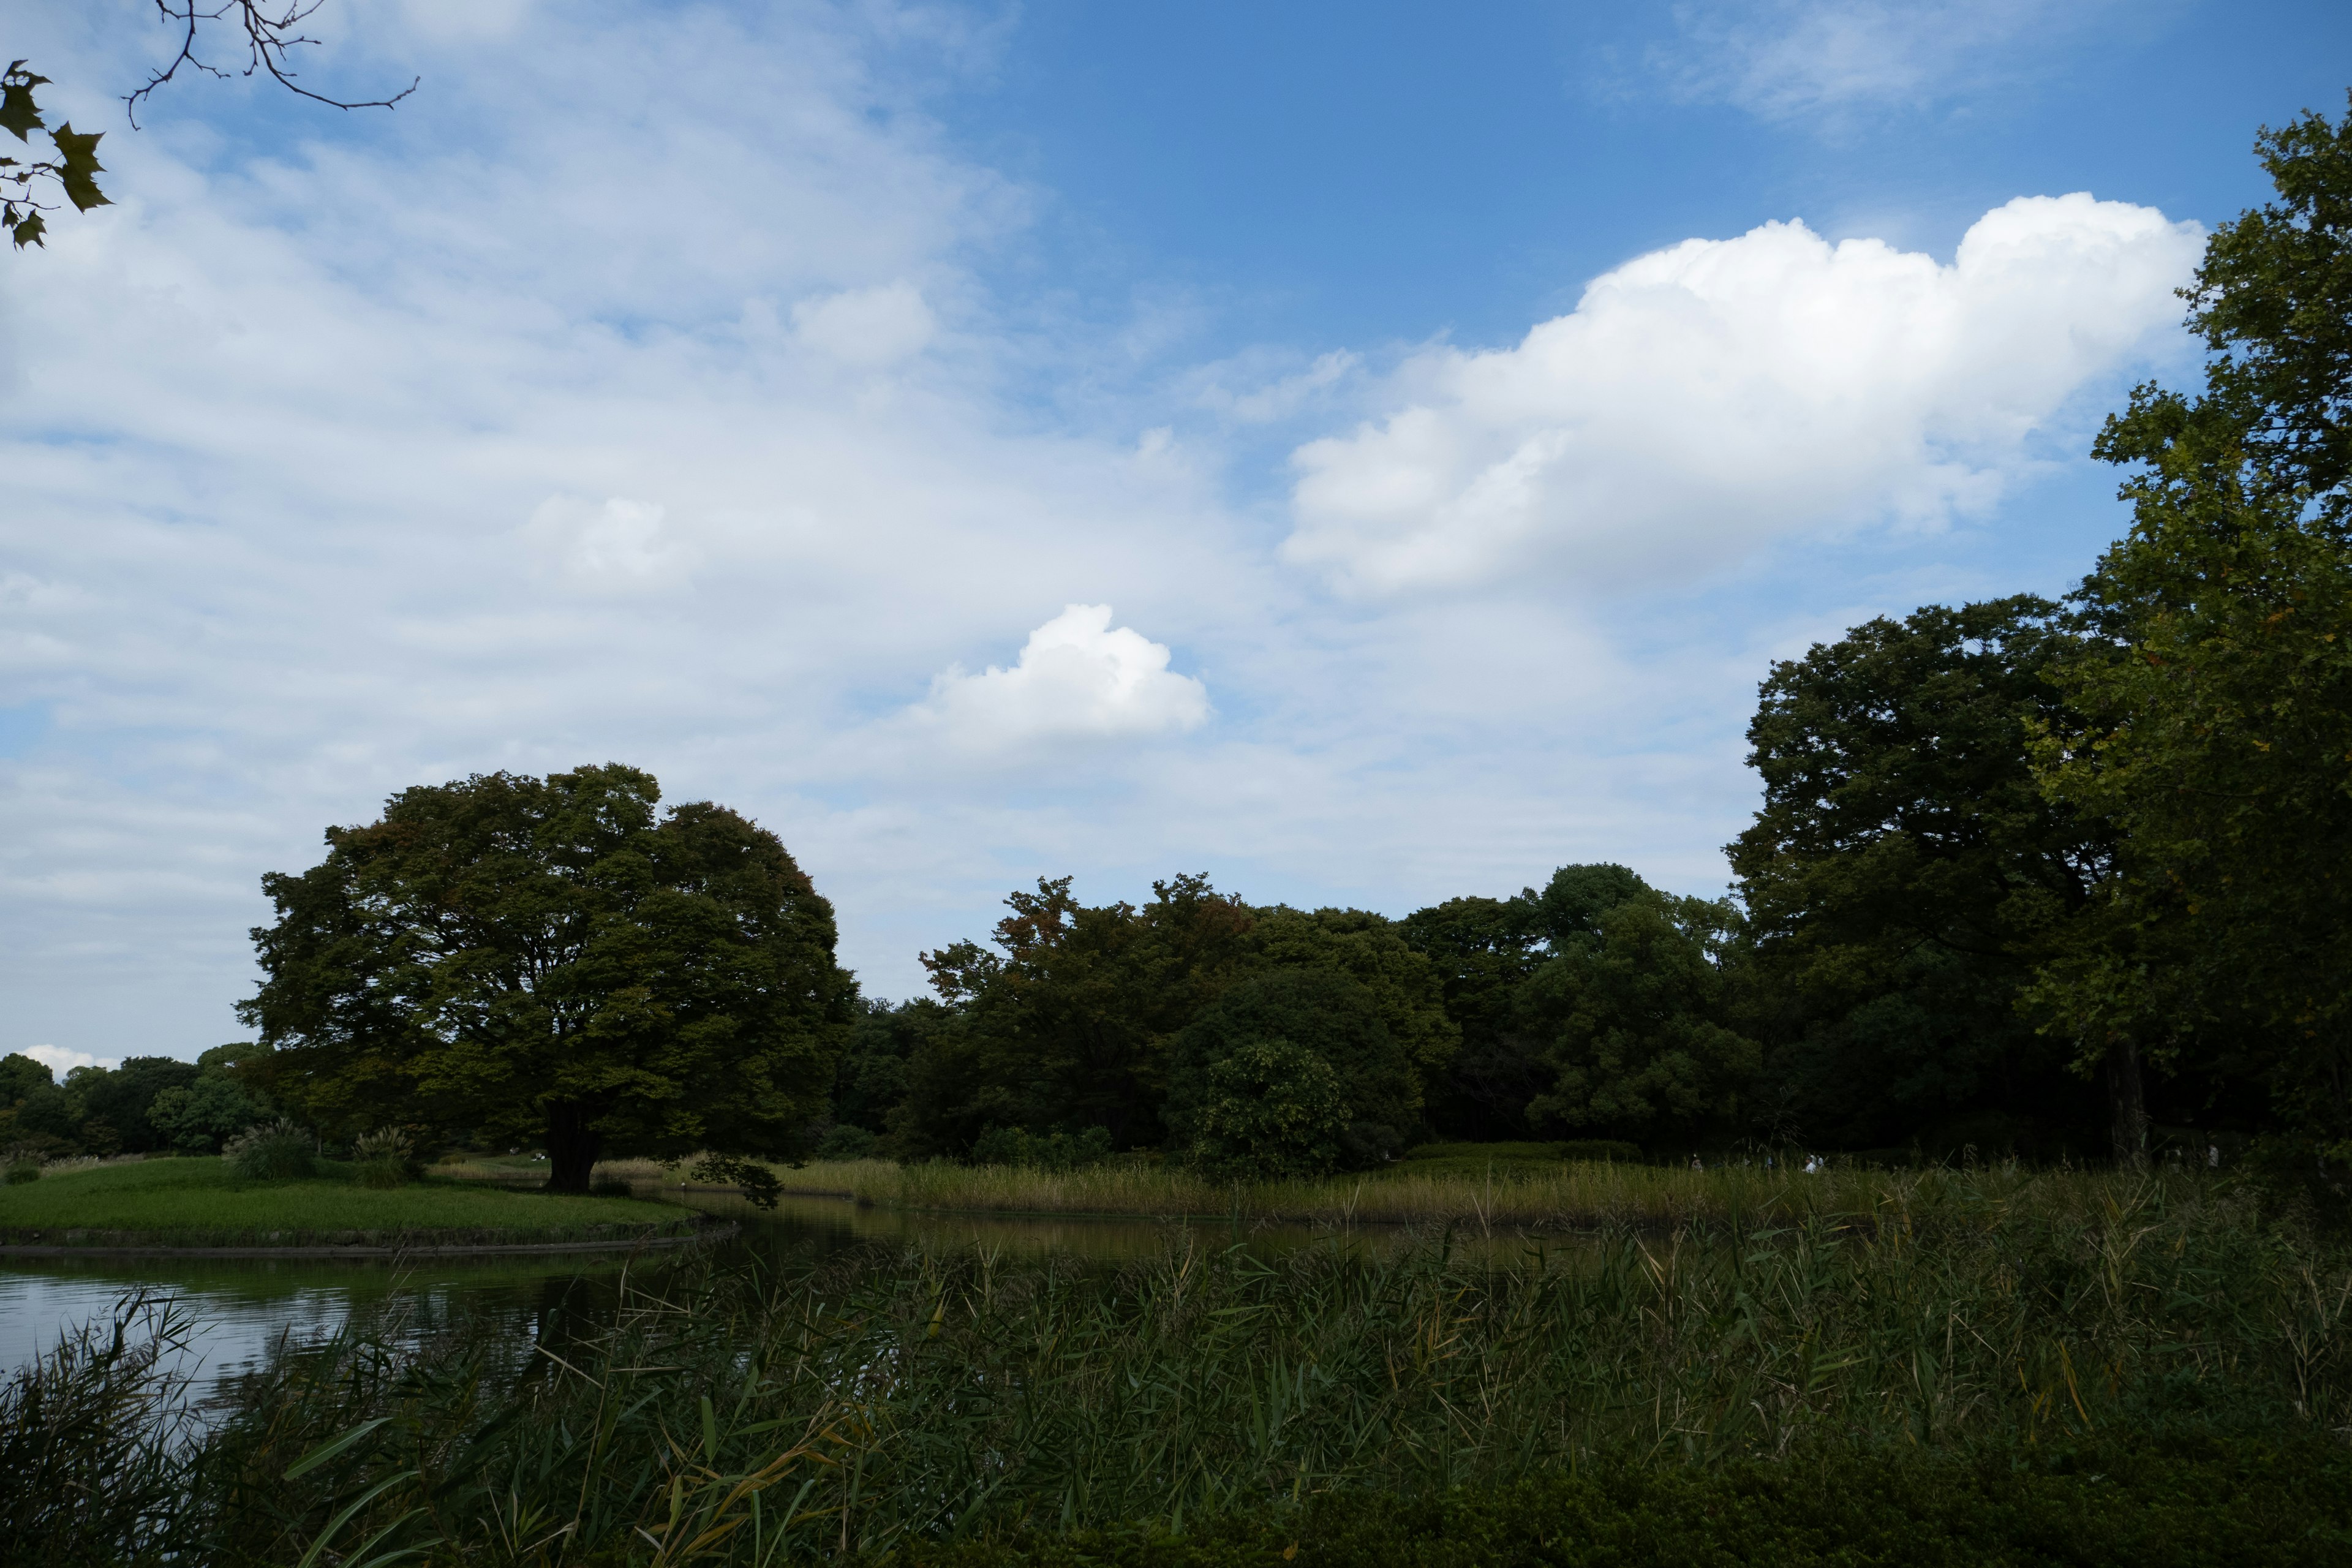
79, 154
16, 111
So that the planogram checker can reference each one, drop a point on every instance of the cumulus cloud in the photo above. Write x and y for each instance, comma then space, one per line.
869, 328
62, 1061
1078, 677
1705, 398
620, 546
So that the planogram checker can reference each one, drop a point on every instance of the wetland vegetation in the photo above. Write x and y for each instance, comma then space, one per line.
2020, 1373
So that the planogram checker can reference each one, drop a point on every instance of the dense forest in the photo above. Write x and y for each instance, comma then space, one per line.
2028, 878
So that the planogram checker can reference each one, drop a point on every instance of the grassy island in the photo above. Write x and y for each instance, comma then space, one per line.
204, 1203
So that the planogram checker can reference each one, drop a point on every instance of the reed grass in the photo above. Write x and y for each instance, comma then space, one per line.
1509, 1199
798, 1409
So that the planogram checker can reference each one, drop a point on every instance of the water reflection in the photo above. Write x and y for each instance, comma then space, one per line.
243, 1309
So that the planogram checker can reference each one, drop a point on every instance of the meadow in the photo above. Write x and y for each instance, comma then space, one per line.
2009, 1368
203, 1203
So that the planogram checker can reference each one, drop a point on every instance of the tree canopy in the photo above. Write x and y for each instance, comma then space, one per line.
553, 961
2215, 734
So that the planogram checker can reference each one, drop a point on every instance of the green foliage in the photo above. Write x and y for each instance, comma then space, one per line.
278, 1151
1265, 1111
1406, 989
1483, 950
1633, 1013
197, 1117
1905, 874
73, 170
1293, 1071
1069, 1023
1057, 1150
544, 959
2215, 730
22, 1169
2115, 1504
845, 1142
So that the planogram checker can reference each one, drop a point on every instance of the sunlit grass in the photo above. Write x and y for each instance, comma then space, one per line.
201, 1202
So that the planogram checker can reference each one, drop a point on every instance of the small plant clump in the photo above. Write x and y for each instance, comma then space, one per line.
384, 1158
22, 1164
278, 1150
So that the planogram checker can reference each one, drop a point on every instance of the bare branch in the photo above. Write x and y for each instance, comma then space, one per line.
267, 37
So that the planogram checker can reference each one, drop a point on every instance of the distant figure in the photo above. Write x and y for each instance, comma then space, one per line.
1812, 1164
1694, 1163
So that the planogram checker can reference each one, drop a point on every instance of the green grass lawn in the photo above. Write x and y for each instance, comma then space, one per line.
200, 1201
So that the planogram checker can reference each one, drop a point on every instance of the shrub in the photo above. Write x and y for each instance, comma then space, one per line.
611, 1188
1258, 1039
1042, 1151
1272, 1109
384, 1158
845, 1143
22, 1170
272, 1151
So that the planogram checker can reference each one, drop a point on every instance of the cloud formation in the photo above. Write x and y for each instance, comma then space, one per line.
1705, 398
866, 327
1787, 58
622, 546
1077, 677
62, 1061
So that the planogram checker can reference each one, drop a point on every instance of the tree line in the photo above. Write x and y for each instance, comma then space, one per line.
2029, 877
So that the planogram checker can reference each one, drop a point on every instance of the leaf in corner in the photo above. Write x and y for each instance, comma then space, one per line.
79, 154
17, 113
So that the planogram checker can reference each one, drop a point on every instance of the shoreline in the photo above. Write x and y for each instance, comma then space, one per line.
426, 1248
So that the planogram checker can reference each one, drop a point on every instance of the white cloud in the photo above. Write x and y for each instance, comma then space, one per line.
1786, 59
62, 1061
1078, 677
1283, 397
620, 547
867, 327
1705, 398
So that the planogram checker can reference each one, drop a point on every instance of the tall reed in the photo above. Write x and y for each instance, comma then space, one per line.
1577, 1195
760, 1412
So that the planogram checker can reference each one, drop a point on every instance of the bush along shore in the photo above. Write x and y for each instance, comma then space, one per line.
172, 1203
2137, 1381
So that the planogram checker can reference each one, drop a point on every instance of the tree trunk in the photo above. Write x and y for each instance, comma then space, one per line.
572, 1148
2128, 1098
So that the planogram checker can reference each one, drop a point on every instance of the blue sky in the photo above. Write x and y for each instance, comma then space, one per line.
1367, 452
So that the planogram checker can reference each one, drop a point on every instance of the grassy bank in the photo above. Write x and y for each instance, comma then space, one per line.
200, 1203
2015, 1390
1509, 1198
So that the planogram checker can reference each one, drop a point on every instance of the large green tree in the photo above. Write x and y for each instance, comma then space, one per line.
1482, 951
1064, 1023
1632, 1015
2214, 728
555, 961
1905, 874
